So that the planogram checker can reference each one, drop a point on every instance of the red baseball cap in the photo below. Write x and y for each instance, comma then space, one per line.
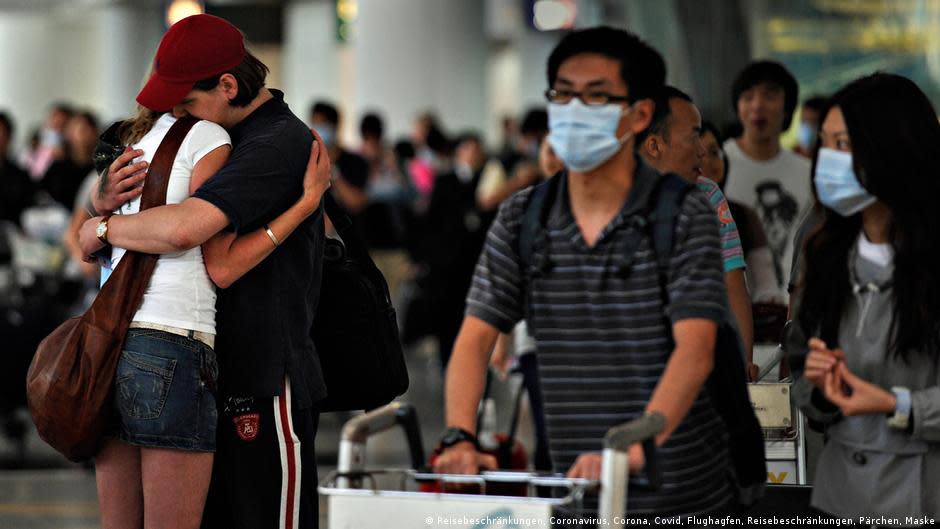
193, 49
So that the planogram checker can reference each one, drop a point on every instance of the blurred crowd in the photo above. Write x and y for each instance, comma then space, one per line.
423, 203
42, 276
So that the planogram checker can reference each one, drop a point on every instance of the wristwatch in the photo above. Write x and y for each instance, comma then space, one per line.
102, 230
902, 409
455, 435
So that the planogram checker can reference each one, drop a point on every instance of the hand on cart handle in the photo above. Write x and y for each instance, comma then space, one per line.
753, 372
463, 458
501, 361
588, 465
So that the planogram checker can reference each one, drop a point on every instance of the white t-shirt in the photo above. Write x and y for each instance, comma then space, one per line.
882, 254
780, 192
180, 293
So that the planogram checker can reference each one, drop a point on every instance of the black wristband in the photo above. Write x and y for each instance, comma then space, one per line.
455, 435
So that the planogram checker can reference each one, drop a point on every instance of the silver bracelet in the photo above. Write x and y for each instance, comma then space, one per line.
271, 236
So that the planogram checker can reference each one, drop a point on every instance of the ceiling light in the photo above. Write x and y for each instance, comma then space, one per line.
180, 9
550, 15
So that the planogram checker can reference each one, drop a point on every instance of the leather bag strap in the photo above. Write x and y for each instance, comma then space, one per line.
121, 295
158, 176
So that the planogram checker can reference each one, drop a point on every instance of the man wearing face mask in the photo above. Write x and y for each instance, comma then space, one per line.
806, 134
609, 347
350, 171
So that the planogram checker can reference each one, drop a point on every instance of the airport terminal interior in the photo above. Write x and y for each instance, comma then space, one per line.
406, 93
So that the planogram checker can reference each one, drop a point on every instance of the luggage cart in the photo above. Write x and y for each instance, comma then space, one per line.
359, 498
781, 422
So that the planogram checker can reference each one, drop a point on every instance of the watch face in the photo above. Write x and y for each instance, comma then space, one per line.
452, 437
101, 230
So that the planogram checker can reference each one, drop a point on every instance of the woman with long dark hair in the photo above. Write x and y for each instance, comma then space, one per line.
870, 301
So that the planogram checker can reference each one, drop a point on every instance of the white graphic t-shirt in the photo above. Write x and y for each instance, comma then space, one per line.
779, 190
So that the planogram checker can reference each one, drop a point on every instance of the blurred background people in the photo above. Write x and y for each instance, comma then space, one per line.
16, 189
760, 273
455, 229
807, 132
458, 69
66, 174
433, 157
520, 166
51, 145
387, 216
672, 144
762, 174
509, 129
351, 171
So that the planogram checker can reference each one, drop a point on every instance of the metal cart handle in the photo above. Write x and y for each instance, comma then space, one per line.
779, 353
357, 431
615, 465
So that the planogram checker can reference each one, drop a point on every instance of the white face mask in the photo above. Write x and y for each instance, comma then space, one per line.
806, 135
836, 184
463, 171
585, 136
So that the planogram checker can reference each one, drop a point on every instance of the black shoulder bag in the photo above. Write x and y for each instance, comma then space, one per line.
355, 329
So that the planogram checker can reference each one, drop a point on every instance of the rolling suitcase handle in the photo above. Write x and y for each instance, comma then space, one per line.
615, 466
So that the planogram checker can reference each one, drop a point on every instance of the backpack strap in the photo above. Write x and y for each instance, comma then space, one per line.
534, 223
660, 217
657, 221
667, 200
533, 232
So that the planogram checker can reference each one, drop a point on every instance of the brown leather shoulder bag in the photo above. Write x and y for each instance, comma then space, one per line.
71, 379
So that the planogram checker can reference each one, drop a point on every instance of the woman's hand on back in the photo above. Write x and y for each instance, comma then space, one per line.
317, 178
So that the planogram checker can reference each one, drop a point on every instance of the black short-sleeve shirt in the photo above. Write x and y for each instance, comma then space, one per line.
264, 318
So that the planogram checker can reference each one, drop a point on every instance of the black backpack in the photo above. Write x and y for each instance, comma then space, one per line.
727, 383
355, 329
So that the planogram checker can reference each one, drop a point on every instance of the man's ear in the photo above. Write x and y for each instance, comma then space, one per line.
652, 147
642, 115
229, 86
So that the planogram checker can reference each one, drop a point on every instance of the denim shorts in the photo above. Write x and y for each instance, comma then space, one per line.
164, 391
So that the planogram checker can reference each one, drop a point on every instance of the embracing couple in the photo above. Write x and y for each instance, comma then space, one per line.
215, 386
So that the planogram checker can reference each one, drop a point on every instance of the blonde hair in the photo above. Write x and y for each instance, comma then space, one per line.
134, 129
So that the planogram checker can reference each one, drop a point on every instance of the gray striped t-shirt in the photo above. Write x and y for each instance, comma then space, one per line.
603, 337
